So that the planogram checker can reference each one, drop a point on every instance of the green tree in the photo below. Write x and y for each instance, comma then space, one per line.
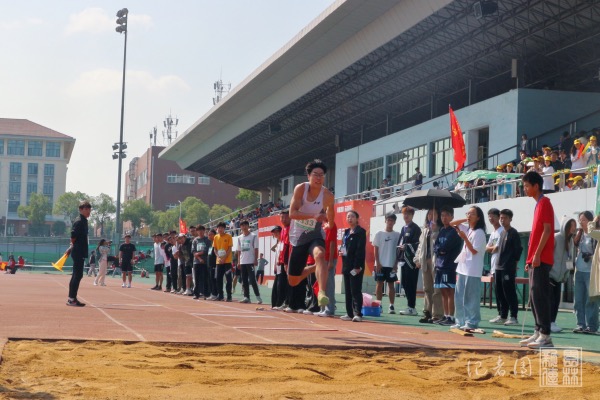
35, 212
218, 211
68, 205
103, 208
194, 211
59, 228
136, 212
249, 196
165, 221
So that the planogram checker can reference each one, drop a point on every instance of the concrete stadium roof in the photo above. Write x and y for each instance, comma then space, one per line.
362, 70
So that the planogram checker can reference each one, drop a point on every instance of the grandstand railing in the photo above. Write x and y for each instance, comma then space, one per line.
491, 191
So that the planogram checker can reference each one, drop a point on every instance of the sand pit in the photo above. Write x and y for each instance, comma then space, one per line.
101, 370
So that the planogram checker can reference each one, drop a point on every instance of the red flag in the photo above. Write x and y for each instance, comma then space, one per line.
182, 226
458, 143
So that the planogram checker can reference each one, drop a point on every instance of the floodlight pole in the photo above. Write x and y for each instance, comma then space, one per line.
118, 226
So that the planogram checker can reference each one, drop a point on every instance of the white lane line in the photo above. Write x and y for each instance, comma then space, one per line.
130, 305
139, 336
231, 315
206, 319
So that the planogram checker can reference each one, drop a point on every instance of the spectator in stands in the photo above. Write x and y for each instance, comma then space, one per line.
467, 295
577, 182
418, 178
521, 163
578, 159
564, 159
384, 189
547, 172
482, 194
510, 168
547, 150
555, 162
433, 310
353, 251
524, 144
565, 142
592, 151
564, 263
586, 308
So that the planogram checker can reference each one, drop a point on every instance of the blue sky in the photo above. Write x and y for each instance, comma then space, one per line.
62, 64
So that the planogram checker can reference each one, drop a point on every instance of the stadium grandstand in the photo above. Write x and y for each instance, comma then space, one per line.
366, 87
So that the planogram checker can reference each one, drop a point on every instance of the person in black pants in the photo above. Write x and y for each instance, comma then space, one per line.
200, 247
166, 245
353, 269
509, 249
78, 251
174, 263
564, 263
407, 247
212, 266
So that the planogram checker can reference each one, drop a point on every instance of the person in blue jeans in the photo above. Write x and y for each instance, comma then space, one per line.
467, 294
586, 308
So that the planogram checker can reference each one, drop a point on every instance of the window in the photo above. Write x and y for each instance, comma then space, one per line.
14, 187
443, 157
172, 205
32, 172
48, 172
31, 188
285, 187
16, 148
1, 146
187, 179
142, 179
34, 148
52, 149
371, 174
49, 189
401, 166
203, 180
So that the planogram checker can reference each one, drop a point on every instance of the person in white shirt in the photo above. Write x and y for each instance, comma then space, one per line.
247, 255
492, 249
386, 267
467, 295
159, 261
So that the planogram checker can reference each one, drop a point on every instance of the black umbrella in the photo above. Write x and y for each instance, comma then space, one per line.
427, 199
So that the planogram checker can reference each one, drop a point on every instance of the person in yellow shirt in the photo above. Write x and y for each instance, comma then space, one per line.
222, 244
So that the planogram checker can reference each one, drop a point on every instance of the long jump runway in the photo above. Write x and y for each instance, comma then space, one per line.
32, 306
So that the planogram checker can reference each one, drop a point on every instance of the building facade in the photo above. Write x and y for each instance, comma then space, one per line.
33, 159
162, 184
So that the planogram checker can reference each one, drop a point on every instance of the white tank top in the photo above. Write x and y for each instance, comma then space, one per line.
304, 231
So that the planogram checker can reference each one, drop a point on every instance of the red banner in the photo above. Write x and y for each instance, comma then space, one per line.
458, 143
182, 226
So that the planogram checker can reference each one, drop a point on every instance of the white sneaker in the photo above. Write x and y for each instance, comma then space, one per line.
289, 310
391, 309
541, 341
531, 339
95, 284
129, 285
498, 320
306, 312
324, 313
123, 285
511, 321
345, 318
300, 311
555, 328
409, 311
245, 300
455, 326
357, 319
258, 300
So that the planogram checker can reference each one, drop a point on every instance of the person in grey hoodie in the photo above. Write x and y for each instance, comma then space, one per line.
564, 261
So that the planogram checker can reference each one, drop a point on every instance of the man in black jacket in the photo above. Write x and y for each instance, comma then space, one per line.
78, 251
407, 247
510, 249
